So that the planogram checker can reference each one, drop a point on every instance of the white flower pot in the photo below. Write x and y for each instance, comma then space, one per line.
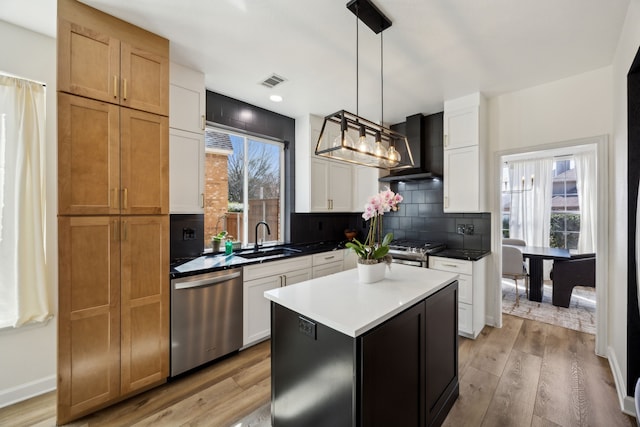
371, 273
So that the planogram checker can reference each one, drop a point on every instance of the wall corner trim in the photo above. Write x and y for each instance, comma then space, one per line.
27, 390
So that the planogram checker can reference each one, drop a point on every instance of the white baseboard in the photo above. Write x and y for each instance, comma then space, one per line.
26, 391
627, 403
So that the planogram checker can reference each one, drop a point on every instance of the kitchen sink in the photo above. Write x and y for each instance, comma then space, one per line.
264, 253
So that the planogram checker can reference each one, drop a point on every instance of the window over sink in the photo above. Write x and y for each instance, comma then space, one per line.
244, 184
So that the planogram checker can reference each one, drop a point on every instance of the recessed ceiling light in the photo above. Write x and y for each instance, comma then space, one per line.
276, 98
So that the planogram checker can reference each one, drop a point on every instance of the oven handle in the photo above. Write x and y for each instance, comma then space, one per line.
206, 282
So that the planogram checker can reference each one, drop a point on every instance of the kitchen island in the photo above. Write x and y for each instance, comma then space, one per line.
350, 354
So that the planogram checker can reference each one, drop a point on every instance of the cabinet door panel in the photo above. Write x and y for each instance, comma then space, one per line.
89, 314
461, 183
294, 277
340, 186
186, 171
256, 312
461, 128
186, 108
145, 301
145, 80
145, 162
319, 186
441, 331
88, 156
88, 62
397, 349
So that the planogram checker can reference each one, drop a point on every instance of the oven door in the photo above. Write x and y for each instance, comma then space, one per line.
410, 262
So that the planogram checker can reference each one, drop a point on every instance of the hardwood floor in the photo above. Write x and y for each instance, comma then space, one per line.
525, 374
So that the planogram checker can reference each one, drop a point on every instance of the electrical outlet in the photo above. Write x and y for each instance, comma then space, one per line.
462, 228
307, 327
468, 229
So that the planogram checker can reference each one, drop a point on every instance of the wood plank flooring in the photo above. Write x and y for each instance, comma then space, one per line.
525, 374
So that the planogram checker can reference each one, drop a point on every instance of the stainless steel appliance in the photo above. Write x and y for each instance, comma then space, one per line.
206, 318
413, 252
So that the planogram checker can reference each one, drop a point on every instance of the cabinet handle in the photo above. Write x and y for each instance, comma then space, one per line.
446, 201
446, 140
204, 122
116, 234
124, 91
115, 86
284, 278
450, 265
125, 198
330, 257
124, 231
202, 200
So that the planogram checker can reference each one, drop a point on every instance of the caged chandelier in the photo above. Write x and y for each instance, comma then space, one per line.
351, 138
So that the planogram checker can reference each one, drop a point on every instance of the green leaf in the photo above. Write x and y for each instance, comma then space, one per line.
380, 252
387, 239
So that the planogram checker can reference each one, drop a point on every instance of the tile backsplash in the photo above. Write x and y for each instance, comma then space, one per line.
421, 216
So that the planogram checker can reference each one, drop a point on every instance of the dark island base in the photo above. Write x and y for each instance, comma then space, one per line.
403, 372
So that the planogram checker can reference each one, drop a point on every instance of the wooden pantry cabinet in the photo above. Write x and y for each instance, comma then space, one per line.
117, 72
113, 337
113, 204
111, 160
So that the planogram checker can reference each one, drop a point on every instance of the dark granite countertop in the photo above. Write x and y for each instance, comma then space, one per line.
466, 254
210, 262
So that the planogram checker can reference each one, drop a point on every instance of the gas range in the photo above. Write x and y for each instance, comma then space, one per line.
413, 252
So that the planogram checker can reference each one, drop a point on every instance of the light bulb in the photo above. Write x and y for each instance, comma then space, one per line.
393, 156
343, 153
364, 146
378, 149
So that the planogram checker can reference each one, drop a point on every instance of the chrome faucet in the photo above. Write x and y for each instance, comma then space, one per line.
256, 246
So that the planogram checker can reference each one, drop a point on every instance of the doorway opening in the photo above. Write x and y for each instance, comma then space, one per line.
549, 197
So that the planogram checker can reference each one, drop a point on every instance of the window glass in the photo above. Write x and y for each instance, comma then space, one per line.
565, 209
254, 185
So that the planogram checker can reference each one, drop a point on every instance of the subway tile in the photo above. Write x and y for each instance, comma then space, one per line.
411, 209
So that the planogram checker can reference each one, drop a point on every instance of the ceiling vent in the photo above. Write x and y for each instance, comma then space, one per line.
272, 81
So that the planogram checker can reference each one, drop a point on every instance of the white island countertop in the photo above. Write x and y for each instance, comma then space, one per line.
342, 303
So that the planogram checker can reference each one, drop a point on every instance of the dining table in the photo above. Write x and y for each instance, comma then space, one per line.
536, 256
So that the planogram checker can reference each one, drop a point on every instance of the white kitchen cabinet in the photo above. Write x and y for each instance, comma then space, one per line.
186, 172
331, 186
471, 291
259, 278
461, 127
187, 99
365, 180
326, 263
186, 140
461, 185
465, 155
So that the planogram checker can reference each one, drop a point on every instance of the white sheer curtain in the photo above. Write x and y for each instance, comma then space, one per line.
23, 285
530, 218
587, 190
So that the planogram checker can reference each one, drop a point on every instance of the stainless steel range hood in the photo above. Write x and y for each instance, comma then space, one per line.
424, 134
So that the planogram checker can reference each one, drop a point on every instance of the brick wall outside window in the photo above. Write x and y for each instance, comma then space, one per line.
216, 193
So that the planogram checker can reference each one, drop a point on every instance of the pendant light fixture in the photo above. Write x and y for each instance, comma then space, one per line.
376, 145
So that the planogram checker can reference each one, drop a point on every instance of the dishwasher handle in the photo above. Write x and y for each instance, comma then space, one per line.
206, 282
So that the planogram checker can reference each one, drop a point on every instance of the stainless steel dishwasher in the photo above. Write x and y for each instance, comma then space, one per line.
206, 318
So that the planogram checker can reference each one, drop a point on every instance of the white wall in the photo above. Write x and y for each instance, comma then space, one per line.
567, 109
573, 108
28, 354
627, 48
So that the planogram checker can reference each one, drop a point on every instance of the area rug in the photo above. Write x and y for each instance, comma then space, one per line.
261, 417
580, 316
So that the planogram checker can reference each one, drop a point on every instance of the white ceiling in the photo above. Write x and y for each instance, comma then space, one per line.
435, 49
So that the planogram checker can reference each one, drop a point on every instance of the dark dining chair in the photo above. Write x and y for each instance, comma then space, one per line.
579, 270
